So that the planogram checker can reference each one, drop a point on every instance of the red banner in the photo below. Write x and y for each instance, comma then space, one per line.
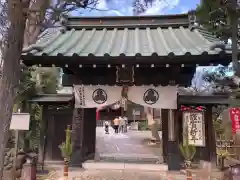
234, 114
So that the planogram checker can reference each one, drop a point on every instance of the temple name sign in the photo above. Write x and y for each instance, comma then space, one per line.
195, 127
20, 121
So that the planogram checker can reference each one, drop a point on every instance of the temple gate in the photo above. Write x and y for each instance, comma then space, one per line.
124, 51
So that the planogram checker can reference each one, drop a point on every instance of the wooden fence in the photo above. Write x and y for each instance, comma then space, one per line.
228, 146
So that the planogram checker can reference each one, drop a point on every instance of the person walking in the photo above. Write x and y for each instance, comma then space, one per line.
106, 124
116, 123
125, 119
121, 125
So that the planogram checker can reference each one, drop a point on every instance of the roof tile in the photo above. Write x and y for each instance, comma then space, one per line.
125, 42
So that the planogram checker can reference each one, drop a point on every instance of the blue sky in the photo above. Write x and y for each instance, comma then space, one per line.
124, 8
159, 7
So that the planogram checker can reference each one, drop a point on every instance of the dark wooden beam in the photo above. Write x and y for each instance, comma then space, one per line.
75, 61
128, 21
204, 99
142, 75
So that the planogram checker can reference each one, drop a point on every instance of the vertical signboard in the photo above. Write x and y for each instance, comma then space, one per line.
193, 123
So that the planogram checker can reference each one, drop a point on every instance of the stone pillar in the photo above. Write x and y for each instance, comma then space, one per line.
77, 137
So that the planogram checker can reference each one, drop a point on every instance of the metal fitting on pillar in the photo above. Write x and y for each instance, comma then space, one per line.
171, 125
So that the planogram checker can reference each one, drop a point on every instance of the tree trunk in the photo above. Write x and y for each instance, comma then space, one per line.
11, 68
153, 125
34, 22
234, 27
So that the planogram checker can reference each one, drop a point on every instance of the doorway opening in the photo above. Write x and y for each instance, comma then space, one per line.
137, 143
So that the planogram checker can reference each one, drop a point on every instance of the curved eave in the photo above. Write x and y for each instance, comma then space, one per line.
133, 55
202, 60
152, 45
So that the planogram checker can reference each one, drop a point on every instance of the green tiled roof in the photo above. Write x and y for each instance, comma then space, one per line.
123, 40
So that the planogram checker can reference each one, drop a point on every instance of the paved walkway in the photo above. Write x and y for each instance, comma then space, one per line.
81, 174
125, 145
117, 175
132, 143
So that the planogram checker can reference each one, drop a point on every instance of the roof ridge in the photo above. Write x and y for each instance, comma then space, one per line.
127, 21
185, 15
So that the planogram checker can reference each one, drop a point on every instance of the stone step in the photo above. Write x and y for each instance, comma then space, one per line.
93, 165
130, 158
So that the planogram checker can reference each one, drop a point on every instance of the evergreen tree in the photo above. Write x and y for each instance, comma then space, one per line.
214, 16
17, 18
221, 17
140, 6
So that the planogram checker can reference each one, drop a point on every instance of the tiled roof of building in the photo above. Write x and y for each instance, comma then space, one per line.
126, 36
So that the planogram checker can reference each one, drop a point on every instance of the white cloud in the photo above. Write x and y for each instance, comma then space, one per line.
102, 4
159, 5
184, 9
125, 8
115, 12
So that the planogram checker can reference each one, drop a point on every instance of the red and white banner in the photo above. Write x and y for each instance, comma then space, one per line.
234, 114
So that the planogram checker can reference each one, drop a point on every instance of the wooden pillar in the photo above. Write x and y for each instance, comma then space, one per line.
77, 137
49, 135
43, 135
83, 135
212, 139
164, 116
89, 133
207, 152
173, 151
210, 149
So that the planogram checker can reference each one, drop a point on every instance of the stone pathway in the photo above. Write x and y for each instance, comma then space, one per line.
124, 145
81, 174
112, 143
119, 175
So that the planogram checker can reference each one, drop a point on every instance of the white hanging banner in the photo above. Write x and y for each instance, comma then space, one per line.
87, 96
161, 97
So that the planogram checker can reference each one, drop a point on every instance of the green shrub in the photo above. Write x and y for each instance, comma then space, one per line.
188, 151
142, 125
66, 146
